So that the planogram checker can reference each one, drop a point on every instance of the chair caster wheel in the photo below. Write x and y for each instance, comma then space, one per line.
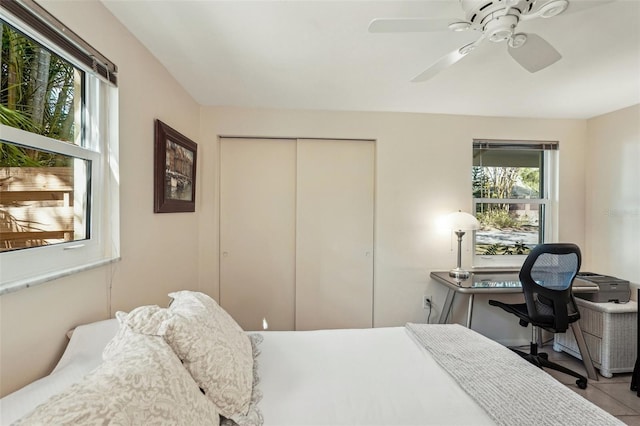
582, 384
543, 355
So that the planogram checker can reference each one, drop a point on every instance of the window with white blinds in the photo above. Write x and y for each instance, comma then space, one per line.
58, 150
513, 184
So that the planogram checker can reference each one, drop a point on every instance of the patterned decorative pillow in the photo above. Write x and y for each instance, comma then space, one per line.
200, 303
144, 319
254, 415
145, 384
214, 349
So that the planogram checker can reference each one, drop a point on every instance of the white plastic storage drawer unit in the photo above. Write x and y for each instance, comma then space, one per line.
610, 330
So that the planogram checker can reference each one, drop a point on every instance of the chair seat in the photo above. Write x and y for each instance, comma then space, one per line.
520, 310
517, 309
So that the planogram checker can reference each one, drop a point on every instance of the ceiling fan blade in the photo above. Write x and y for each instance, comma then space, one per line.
551, 8
535, 54
442, 63
446, 61
579, 6
546, 9
408, 25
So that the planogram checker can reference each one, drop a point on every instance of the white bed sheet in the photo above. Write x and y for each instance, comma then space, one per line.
358, 377
328, 377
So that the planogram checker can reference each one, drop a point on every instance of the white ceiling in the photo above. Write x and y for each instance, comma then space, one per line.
320, 55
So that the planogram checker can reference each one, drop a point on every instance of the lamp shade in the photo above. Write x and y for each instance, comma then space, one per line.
462, 221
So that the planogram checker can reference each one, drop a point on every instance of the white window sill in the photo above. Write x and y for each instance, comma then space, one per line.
17, 285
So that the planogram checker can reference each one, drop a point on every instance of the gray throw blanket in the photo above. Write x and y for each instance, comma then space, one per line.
511, 390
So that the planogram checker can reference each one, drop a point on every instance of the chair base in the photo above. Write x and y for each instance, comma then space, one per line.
541, 360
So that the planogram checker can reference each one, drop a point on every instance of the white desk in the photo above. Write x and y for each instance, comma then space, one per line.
489, 282
504, 282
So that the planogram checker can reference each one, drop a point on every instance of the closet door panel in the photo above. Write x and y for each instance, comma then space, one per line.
257, 231
334, 237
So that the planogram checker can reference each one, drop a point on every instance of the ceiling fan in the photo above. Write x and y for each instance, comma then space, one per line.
497, 21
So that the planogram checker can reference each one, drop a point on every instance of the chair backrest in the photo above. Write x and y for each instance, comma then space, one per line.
547, 275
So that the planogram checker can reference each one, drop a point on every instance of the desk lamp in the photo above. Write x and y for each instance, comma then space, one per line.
459, 222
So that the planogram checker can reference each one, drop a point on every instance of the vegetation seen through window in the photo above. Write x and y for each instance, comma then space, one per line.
508, 207
40, 93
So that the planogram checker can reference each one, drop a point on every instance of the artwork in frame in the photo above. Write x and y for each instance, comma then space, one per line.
174, 171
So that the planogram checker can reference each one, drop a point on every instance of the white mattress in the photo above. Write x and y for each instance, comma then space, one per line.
330, 377
358, 377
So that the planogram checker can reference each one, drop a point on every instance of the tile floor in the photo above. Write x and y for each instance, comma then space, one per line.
612, 395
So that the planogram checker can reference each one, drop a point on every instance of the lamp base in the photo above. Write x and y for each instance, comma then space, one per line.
459, 274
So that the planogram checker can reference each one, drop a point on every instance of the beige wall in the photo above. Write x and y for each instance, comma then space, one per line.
159, 251
423, 172
612, 175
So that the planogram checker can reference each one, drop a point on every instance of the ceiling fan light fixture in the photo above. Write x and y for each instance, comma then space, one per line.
500, 35
459, 26
517, 40
553, 8
501, 28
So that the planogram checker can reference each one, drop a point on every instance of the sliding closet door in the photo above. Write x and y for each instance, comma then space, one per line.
257, 231
334, 237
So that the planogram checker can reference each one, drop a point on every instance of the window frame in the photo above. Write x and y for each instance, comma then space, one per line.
99, 145
548, 199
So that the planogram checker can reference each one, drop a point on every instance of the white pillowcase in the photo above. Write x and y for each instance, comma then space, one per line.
214, 348
144, 384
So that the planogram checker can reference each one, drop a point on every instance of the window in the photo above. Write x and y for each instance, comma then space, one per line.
512, 184
58, 150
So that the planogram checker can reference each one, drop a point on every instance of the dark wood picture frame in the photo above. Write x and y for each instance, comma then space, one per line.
175, 158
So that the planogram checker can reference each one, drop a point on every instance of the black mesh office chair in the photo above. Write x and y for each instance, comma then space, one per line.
547, 276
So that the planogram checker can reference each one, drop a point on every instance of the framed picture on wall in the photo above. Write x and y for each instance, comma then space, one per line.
174, 171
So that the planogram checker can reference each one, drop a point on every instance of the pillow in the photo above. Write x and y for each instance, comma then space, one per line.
202, 304
86, 345
146, 320
82, 355
254, 415
213, 348
145, 384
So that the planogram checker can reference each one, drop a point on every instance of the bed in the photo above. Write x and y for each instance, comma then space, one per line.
417, 374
